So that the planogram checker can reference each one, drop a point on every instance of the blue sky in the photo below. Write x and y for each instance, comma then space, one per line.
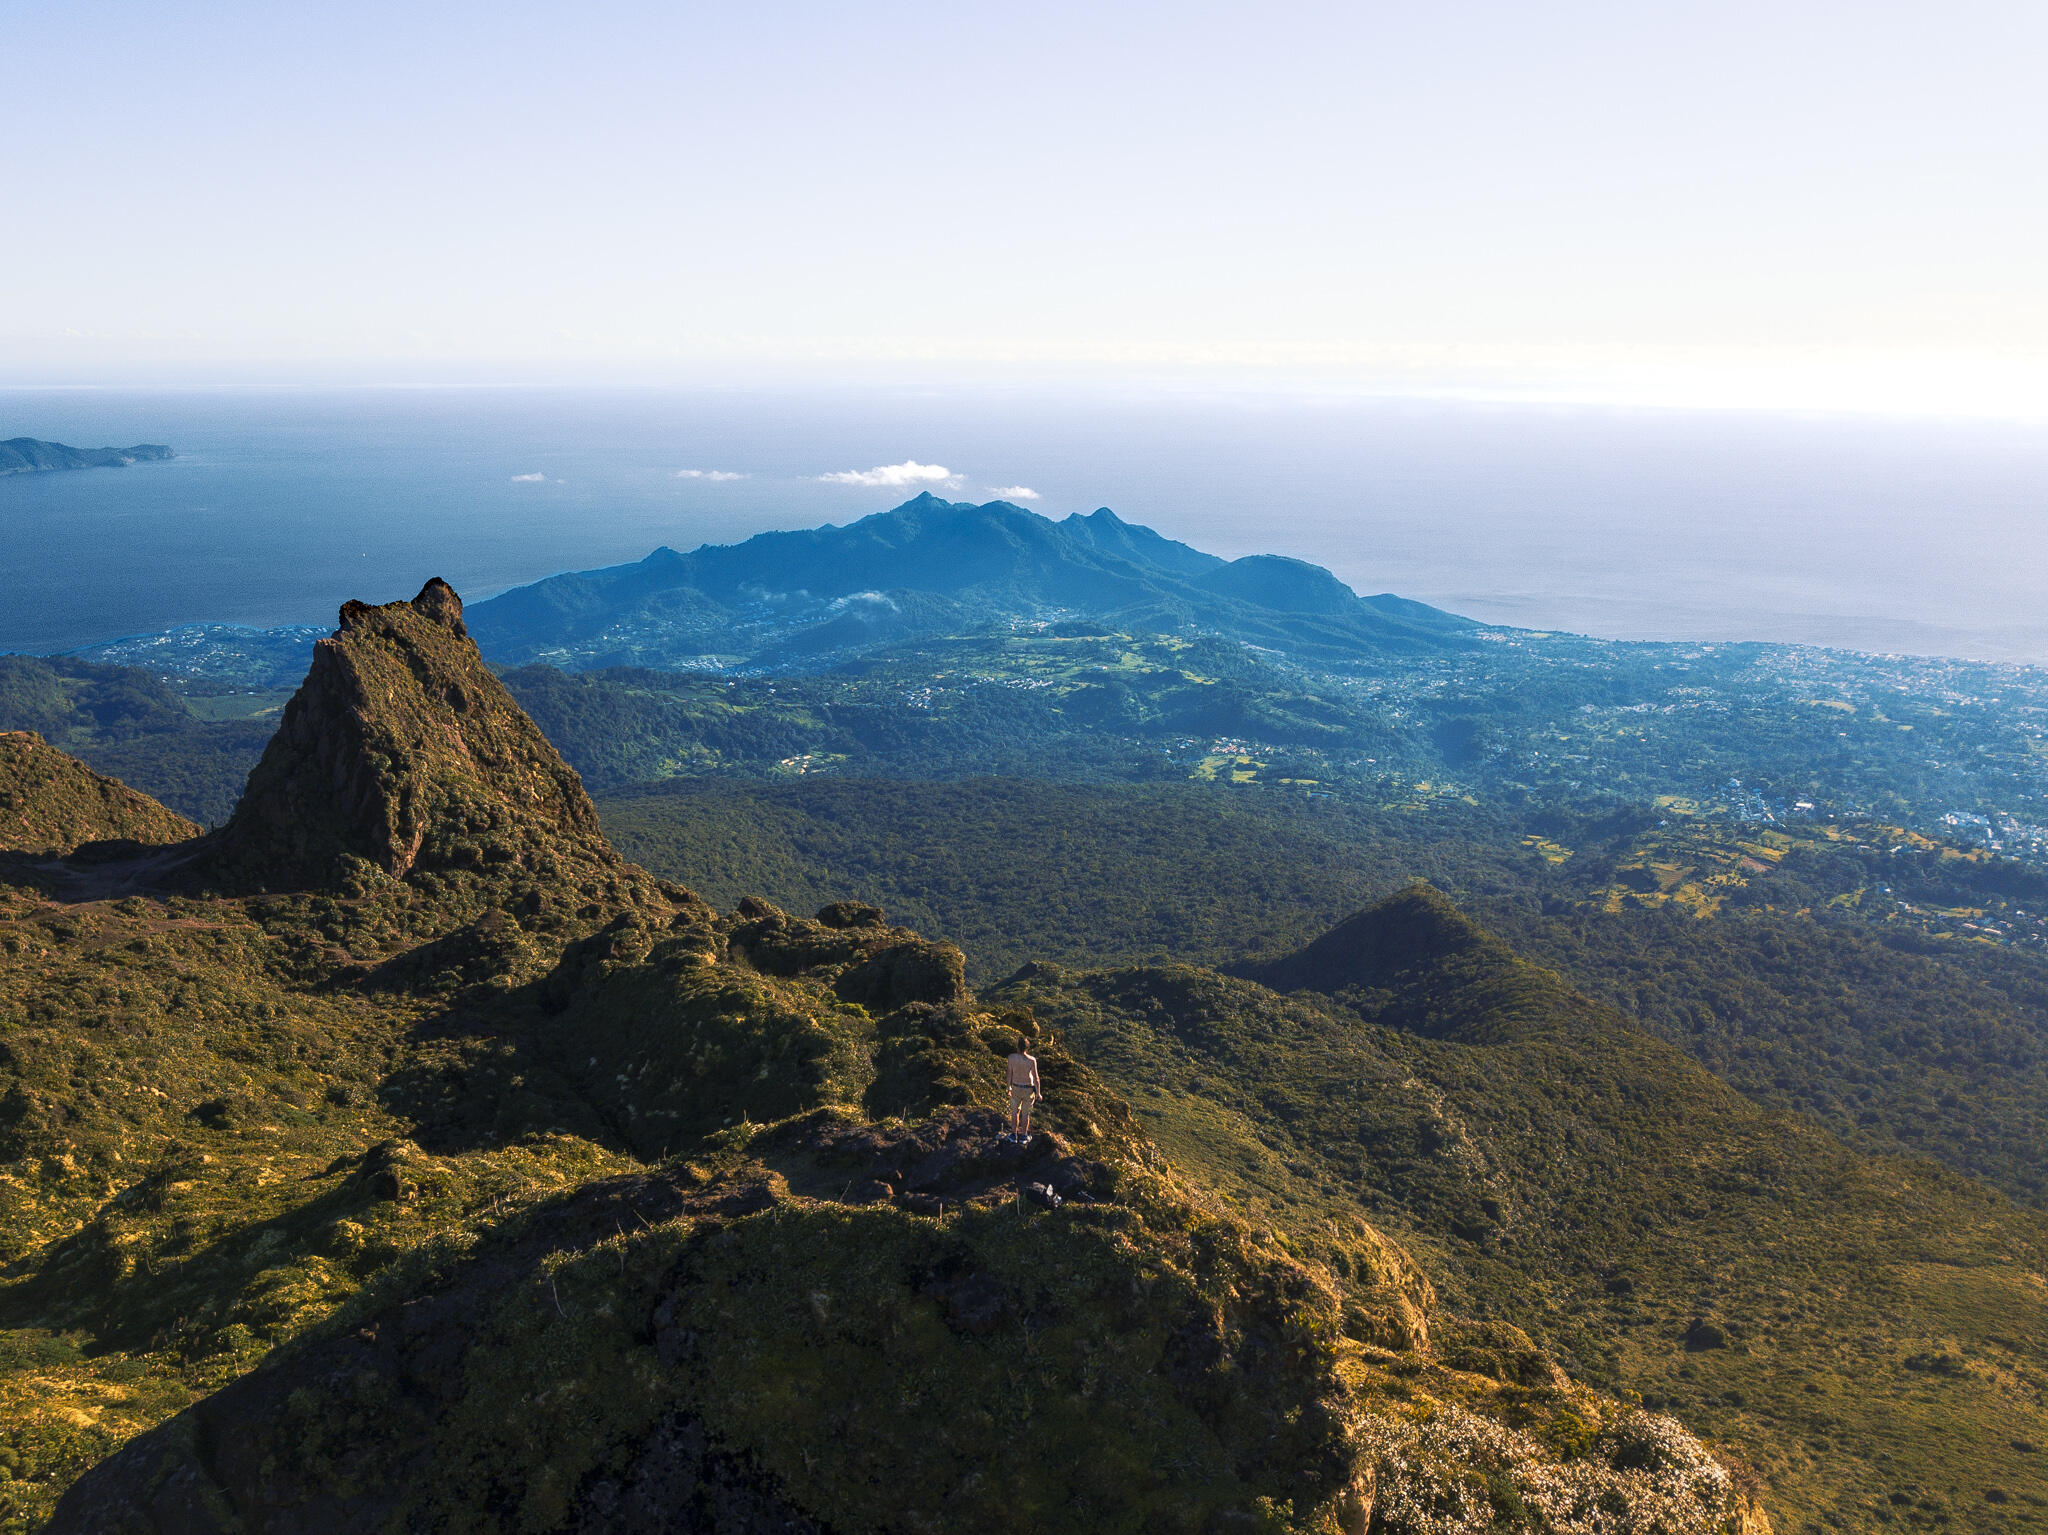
1794, 203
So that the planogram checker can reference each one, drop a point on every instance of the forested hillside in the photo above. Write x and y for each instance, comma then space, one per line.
1875, 977
130, 724
1870, 1330
1895, 1041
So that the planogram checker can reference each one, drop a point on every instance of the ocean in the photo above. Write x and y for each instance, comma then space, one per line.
1870, 533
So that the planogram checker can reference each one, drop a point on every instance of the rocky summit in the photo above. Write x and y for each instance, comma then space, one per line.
401, 1158
403, 752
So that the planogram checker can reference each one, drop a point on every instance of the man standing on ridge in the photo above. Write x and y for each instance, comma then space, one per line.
1023, 1092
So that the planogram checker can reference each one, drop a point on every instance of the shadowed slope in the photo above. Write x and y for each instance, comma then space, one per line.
876, 1315
1381, 945
335, 1209
1414, 961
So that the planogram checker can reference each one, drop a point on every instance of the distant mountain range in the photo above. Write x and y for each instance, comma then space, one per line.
933, 567
29, 455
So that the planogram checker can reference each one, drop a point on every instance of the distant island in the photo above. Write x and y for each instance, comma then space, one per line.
27, 455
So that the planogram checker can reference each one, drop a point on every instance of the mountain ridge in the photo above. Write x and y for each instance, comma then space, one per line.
983, 564
1545, 1156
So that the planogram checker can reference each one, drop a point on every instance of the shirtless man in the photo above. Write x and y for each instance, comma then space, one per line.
1023, 1092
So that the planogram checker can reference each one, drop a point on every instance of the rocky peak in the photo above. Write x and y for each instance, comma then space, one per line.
403, 750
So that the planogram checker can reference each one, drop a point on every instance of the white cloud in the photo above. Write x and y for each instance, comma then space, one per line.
909, 472
1013, 492
865, 599
528, 479
708, 474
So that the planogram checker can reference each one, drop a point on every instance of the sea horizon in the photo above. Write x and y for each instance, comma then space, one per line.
1886, 534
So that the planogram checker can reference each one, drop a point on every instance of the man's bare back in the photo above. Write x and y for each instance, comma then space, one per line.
1024, 1091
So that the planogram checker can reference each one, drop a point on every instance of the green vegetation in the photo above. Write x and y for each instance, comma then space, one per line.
405, 1078
1014, 869
28, 455
942, 641
1870, 1332
128, 724
809, 597
404, 1156
51, 803
1897, 1041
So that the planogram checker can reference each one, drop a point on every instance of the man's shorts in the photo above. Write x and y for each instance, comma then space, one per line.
1020, 1097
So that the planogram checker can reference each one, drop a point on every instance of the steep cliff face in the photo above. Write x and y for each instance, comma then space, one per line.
51, 803
402, 754
445, 1171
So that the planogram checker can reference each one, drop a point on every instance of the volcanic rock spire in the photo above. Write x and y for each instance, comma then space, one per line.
402, 750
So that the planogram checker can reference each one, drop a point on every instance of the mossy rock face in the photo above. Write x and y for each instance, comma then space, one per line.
51, 804
1011, 1369
402, 756
723, 1341
851, 914
875, 965
1499, 1350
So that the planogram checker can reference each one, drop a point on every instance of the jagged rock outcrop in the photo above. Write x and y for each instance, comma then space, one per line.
402, 752
51, 803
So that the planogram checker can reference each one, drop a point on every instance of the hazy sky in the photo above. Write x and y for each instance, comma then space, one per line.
1771, 203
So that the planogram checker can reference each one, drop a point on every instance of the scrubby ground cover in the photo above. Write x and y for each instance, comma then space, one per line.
130, 724
399, 1154
52, 803
1894, 1039
1872, 1332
